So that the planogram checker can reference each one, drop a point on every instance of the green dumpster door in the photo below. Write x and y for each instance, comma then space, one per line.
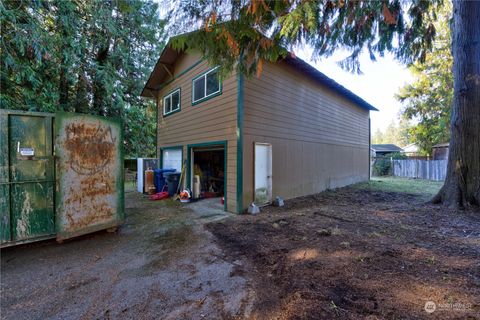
31, 177
5, 235
89, 173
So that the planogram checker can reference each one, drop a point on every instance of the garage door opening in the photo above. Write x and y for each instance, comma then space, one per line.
208, 172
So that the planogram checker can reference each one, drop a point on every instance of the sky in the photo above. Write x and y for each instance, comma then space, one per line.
377, 85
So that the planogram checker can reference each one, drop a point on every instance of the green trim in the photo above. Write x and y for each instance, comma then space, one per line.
157, 120
160, 87
120, 172
240, 108
223, 143
213, 95
169, 148
208, 98
179, 89
26, 113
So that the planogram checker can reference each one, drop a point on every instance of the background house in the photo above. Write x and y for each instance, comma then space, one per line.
440, 151
383, 149
411, 150
291, 132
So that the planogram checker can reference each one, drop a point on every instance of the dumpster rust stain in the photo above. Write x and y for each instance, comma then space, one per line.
91, 152
91, 147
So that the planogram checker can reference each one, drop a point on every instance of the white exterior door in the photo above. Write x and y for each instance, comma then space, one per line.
263, 173
172, 159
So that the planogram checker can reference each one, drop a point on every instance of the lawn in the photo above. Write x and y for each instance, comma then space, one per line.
130, 186
424, 188
374, 250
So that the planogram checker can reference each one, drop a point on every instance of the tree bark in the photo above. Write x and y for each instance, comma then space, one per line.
462, 183
63, 85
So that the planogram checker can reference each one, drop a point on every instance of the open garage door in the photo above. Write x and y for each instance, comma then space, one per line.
208, 165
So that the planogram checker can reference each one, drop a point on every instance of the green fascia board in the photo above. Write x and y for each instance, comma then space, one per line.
240, 112
223, 143
169, 148
163, 101
182, 73
213, 95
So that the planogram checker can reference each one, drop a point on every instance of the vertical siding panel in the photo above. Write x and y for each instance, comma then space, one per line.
319, 139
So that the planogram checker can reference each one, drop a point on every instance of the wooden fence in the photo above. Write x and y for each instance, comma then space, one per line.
420, 169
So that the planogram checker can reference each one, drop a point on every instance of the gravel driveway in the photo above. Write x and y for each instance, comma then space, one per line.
162, 263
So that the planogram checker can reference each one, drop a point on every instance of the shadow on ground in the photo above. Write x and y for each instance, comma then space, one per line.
162, 264
358, 254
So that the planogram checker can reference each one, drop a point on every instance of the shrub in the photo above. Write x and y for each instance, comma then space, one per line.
383, 166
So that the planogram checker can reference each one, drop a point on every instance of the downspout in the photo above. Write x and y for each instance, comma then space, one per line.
240, 92
369, 146
155, 96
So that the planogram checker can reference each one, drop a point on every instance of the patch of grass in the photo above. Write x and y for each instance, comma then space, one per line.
129, 186
425, 188
345, 244
430, 260
374, 234
361, 258
335, 231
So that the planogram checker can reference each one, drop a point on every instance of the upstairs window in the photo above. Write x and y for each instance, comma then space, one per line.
171, 102
206, 86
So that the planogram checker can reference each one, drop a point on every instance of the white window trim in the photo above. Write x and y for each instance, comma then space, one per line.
170, 95
204, 75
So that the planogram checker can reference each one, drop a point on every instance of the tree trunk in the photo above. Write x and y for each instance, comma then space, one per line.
99, 82
81, 99
462, 184
63, 87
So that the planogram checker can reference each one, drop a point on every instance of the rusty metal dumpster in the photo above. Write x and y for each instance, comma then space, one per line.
61, 175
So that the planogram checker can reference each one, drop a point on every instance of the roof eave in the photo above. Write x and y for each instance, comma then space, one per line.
148, 91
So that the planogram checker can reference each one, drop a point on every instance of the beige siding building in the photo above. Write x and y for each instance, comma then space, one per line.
289, 133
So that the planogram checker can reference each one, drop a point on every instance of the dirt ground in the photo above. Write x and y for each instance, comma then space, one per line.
161, 264
358, 254
355, 253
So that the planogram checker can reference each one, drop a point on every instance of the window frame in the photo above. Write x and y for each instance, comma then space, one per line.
170, 94
211, 95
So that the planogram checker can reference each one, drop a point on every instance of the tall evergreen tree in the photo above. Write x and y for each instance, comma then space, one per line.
234, 31
428, 100
83, 56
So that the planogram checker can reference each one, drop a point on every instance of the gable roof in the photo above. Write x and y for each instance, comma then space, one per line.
159, 73
412, 147
169, 55
386, 148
